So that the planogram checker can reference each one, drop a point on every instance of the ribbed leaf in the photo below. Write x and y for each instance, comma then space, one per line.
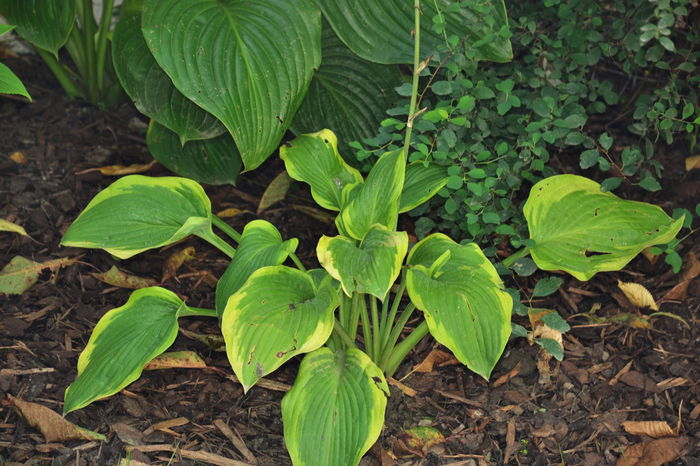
580, 229
136, 213
375, 201
210, 161
421, 184
278, 313
261, 245
123, 341
380, 31
335, 411
314, 159
247, 62
462, 297
44, 23
10, 83
372, 267
151, 89
348, 95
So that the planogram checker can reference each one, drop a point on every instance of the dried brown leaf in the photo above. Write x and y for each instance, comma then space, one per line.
118, 170
653, 452
408, 391
18, 157
691, 163
321, 216
435, 358
52, 425
20, 273
638, 295
176, 360
653, 429
232, 212
213, 341
275, 192
116, 277
175, 261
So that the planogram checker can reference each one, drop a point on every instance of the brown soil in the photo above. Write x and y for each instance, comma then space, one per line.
611, 373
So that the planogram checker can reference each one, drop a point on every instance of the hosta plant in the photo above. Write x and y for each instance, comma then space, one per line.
9, 82
349, 318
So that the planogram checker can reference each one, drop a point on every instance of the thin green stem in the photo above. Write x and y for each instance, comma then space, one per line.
386, 330
223, 226
395, 334
375, 327
102, 33
510, 260
89, 26
297, 262
384, 317
416, 74
338, 329
61, 74
188, 311
354, 317
219, 243
403, 348
366, 330
76, 48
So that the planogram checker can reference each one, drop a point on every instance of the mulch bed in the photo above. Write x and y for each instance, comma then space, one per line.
531, 412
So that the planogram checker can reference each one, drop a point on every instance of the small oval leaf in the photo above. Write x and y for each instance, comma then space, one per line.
277, 314
335, 411
123, 341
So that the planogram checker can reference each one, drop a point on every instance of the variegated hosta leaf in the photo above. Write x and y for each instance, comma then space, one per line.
123, 341
261, 245
44, 23
137, 213
375, 201
381, 31
210, 161
151, 89
247, 62
372, 267
335, 411
278, 313
314, 159
421, 184
348, 95
463, 300
578, 228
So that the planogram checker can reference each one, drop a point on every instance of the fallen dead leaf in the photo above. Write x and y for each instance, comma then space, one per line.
321, 216
435, 358
276, 191
18, 157
232, 212
691, 163
653, 452
52, 425
166, 425
419, 440
20, 273
12, 227
176, 360
511, 446
542, 330
175, 261
408, 391
118, 170
507, 376
116, 277
653, 429
213, 341
638, 295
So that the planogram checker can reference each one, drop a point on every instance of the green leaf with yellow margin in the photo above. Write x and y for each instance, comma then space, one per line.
372, 267
335, 411
261, 245
376, 200
278, 313
463, 300
137, 213
314, 159
122, 343
421, 184
581, 230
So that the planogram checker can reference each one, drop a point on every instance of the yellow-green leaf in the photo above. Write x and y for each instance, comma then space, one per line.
12, 227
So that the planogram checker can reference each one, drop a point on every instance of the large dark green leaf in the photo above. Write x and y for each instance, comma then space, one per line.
137, 213
335, 411
123, 341
247, 62
44, 23
380, 31
151, 89
462, 298
348, 95
261, 245
278, 313
580, 229
211, 161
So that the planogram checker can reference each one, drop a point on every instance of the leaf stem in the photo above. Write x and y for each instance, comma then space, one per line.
223, 226
354, 317
366, 330
216, 241
89, 38
416, 74
395, 334
403, 348
510, 260
386, 330
338, 329
61, 74
102, 33
376, 327
188, 311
